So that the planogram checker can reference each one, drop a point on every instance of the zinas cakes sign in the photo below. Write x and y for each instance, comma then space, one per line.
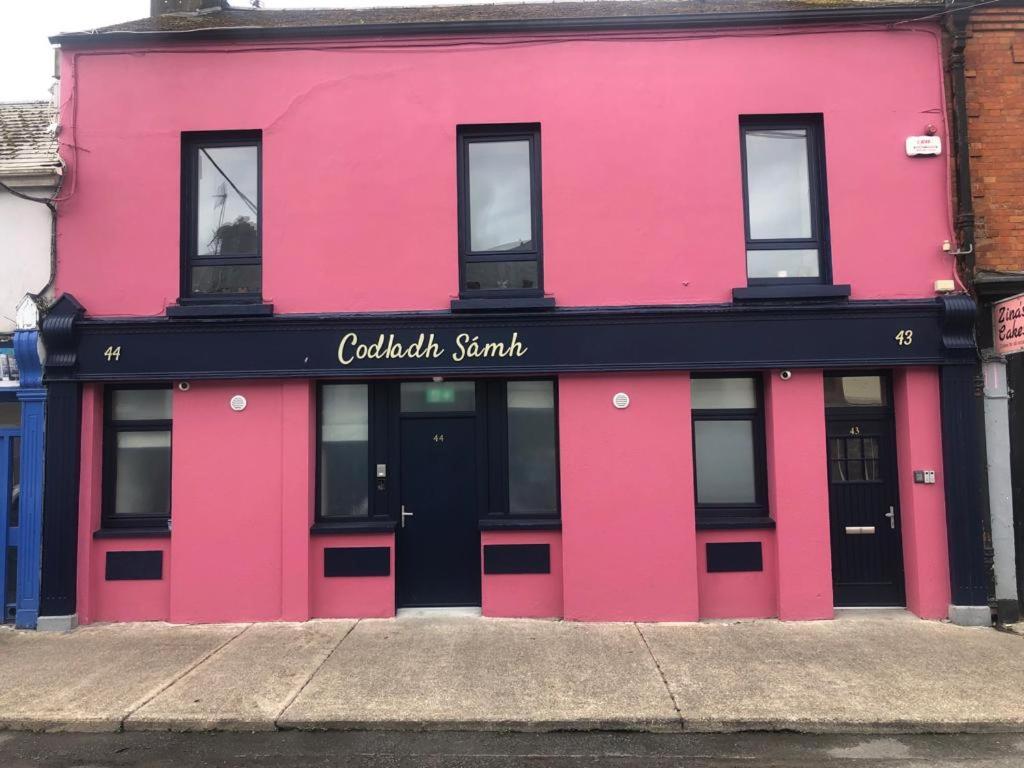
1008, 325
426, 347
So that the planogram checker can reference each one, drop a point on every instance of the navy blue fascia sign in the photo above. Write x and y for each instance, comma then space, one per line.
712, 338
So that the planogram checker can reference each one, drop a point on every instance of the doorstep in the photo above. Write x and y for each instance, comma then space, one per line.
882, 614
437, 613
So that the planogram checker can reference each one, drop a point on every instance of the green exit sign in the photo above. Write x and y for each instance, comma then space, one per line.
440, 394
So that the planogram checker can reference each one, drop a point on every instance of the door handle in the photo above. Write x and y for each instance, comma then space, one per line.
405, 515
891, 514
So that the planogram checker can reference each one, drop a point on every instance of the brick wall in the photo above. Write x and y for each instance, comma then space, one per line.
995, 108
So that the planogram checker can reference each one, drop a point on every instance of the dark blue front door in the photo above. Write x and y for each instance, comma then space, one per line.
10, 493
867, 554
438, 557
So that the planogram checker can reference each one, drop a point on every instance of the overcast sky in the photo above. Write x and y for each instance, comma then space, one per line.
26, 57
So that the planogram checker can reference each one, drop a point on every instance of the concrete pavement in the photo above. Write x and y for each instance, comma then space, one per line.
864, 675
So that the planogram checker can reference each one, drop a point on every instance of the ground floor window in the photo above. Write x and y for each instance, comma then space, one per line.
345, 451
137, 457
359, 459
728, 447
532, 448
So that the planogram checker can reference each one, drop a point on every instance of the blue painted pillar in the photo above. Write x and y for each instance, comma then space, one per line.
32, 396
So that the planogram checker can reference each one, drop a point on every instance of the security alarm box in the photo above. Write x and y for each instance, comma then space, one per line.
923, 145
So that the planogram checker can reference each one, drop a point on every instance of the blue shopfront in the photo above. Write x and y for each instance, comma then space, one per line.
22, 419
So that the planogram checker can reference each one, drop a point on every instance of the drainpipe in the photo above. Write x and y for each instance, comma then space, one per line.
40, 297
958, 82
994, 497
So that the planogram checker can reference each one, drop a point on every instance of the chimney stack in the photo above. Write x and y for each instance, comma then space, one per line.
160, 7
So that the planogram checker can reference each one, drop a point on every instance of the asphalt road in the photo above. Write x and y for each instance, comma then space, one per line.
496, 750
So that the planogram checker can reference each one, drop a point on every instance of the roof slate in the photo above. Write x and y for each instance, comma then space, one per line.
267, 19
27, 146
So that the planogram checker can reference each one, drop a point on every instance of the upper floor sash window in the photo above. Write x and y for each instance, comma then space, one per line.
221, 222
785, 201
500, 247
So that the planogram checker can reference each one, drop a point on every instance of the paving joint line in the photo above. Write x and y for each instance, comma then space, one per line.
664, 680
174, 680
313, 674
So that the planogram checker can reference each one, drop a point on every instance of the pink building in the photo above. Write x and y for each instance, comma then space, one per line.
605, 311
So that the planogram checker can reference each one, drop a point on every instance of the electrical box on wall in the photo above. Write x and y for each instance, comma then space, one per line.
923, 145
925, 476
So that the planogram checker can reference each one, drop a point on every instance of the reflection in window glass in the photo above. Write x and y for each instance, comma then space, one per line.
500, 216
852, 391
778, 184
783, 263
227, 279
10, 415
854, 459
345, 451
426, 396
731, 392
143, 474
142, 404
14, 483
227, 221
724, 462
532, 450
498, 275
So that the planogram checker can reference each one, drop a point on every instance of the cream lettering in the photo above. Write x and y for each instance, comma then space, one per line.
470, 347
426, 347
387, 347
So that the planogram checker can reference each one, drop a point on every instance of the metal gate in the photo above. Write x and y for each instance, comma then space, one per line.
10, 493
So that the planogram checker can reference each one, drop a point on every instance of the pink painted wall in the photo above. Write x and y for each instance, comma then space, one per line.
628, 549
356, 597
359, 162
128, 600
298, 499
628, 529
922, 507
798, 493
530, 595
739, 595
228, 504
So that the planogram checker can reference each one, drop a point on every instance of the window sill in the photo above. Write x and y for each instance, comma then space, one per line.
776, 292
132, 533
335, 527
220, 310
520, 524
733, 523
499, 304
